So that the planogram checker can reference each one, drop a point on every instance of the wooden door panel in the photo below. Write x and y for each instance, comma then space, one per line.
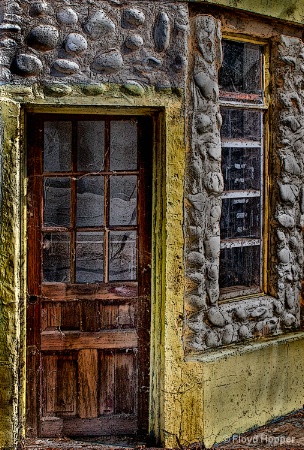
89, 275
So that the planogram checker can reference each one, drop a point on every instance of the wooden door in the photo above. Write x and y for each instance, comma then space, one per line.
88, 313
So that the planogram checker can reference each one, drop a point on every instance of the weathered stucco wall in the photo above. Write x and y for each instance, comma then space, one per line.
202, 399
10, 293
283, 9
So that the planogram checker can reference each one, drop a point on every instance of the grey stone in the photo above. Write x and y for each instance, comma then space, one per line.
290, 165
288, 319
216, 317
212, 247
214, 151
284, 256
241, 313
57, 90
212, 339
198, 201
38, 9
134, 42
28, 64
99, 25
195, 258
203, 122
67, 16
66, 66
214, 182
215, 214
228, 334
258, 312
289, 297
162, 32
302, 200
197, 301
132, 18
292, 122
179, 63
133, 88
108, 63
278, 307
244, 332
288, 192
213, 294
93, 89
10, 27
213, 272
196, 277
43, 37
151, 61
195, 231
208, 87
75, 43
286, 220
7, 51
293, 242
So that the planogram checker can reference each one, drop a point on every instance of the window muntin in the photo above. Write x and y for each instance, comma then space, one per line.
90, 203
241, 82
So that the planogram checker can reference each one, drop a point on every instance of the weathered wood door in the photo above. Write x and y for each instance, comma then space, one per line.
89, 252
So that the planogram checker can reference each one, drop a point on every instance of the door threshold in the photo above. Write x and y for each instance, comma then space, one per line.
96, 443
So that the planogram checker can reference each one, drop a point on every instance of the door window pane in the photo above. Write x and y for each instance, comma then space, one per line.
56, 257
122, 256
123, 200
90, 201
123, 143
57, 146
57, 200
90, 145
89, 257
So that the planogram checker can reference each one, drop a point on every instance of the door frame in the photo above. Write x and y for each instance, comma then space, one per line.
157, 197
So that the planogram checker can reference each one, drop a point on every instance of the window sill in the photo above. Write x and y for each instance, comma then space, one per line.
246, 347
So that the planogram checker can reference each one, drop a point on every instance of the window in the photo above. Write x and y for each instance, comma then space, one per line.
241, 83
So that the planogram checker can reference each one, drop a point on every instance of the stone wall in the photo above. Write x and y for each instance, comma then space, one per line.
135, 44
209, 323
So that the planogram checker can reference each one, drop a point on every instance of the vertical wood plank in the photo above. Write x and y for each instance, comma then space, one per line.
125, 383
66, 385
90, 315
88, 383
70, 315
49, 385
108, 316
107, 383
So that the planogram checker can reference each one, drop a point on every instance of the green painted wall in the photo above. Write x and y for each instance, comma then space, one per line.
292, 11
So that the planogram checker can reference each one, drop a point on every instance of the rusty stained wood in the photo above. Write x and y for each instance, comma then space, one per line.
88, 343
73, 340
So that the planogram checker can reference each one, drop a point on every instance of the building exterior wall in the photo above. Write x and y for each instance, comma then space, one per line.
195, 397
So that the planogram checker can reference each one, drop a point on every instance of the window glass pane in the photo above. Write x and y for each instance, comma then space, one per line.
90, 145
240, 124
90, 201
242, 68
123, 200
89, 257
57, 200
57, 146
241, 168
56, 257
122, 256
240, 218
240, 267
123, 143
